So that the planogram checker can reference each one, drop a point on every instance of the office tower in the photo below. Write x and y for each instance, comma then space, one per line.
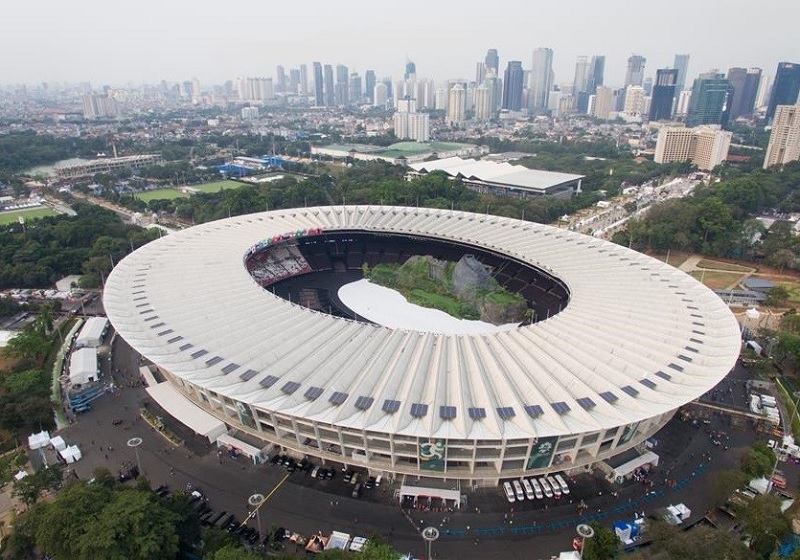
369, 84
635, 73
254, 89
456, 105
387, 81
663, 94
634, 101
541, 80
603, 102
647, 85
411, 71
704, 146
744, 88
380, 95
341, 92
303, 79
319, 100
784, 140
596, 71
492, 63
98, 106
785, 88
294, 81
512, 90
580, 84
280, 79
355, 89
330, 90
681, 64
762, 97
683, 103
441, 97
709, 97
483, 100
480, 72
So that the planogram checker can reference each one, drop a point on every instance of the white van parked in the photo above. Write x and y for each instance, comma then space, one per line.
546, 487
555, 486
528, 490
509, 492
537, 488
518, 491
562, 483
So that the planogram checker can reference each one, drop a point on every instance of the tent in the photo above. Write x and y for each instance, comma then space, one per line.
91, 335
83, 366
627, 531
58, 443
338, 540
20, 475
37, 441
71, 454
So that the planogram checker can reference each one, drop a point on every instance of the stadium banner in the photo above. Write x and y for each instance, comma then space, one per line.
627, 434
431, 454
541, 453
283, 237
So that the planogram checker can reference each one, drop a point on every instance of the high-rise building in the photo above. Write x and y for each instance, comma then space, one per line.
98, 106
580, 84
319, 100
480, 72
681, 64
294, 81
483, 103
513, 86
704, 146
541, 79
762, 97
634, 101
380, 95
411, 71
603, 102
784, 140
682, 106
330, 89
254, 89
408, 124
456, 105
387, 81
355, 89
707, 105
596, 72
280, 79
303, 79
635, 73
492, 63
785, 88
663, 94
369, 84
744, 84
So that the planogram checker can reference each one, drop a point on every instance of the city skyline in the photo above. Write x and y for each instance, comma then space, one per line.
52, 41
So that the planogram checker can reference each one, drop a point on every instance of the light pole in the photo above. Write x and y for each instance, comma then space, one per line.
796, 396
135, 442
585, 532
430, 534
255, 501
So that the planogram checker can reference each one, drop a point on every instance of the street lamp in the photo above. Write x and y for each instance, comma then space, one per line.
585, 532
135, 442
255, 501
430, 534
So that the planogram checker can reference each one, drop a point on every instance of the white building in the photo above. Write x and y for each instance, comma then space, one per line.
704, 146
456, 105
249, 113
603, 102
682, 104
381, 95
635, 105
92, 333
784, 141
413, 126
483, 103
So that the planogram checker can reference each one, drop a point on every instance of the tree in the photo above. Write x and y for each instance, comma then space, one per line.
30, 488
777, 296
602, 545
29, 344
723, 484
758, 461
765, 523
232, 552
696, 543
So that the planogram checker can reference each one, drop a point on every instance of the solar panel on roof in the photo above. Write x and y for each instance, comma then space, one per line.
248, 375
664, 376
290, 387
608, 396
338, 397
230, 368
534, 410
506, 412
149, 318
161, 324
313, 393
268, 381
586, 403
447, 412
696, 341
690, 349
676, 367
390, 406
199, 353
213, 361
174, 339
418, 410
647, 383
629, 390
363, 403
476, 413
560, 407
185, 347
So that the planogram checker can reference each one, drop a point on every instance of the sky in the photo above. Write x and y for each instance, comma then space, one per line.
146, 41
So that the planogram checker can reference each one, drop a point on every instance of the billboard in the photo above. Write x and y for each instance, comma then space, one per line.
542, 452
431, 454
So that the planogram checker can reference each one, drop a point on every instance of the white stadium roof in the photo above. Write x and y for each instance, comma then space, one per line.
637, 339
500, 173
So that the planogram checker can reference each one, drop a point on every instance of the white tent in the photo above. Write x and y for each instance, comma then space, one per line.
83, 366
752, 313
20, 475
71, 454
91, 335
58, 443
37, 441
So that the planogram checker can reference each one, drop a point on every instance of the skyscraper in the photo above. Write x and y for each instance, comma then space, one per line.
663, 94
784, 140
634, 101
330, 96
456, 105
355, 90
541, 81
303, 79
280, 79
785, 88
294, 80
319, 100
744, 82
483, 99
512, 86
709, 97
596, 70
369, 84
492, 63
603, 102
681, 64
635, 73
380, 95
411, 71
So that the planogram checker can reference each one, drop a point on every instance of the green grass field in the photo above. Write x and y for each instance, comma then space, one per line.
31, 214
717, 265
216, 186
716, 280
173, 193
160, 194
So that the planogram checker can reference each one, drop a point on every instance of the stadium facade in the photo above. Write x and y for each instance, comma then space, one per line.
630, 340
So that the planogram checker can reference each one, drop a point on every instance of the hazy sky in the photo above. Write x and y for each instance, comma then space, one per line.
117, 42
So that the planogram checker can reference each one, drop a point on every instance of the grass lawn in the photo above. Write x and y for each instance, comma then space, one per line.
161, 194
449, 305
708, 263
29, 214
675, 259
794, 290
216, 186
716, 280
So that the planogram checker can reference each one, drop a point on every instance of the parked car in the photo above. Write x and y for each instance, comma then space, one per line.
520, 495
546, 487
509, 492
528, 489
562, 483
537, 488
555, 486
356, 490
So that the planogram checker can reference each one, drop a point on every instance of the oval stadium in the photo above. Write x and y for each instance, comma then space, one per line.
242, 317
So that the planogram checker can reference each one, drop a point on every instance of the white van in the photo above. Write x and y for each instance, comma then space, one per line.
518, 491
528, 490
537, 489
555, 486
509, 492
562, 483
546, 488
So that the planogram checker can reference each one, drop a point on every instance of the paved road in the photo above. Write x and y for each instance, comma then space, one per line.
532, 531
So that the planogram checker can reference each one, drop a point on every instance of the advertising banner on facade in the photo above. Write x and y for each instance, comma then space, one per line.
431, 454
541, 453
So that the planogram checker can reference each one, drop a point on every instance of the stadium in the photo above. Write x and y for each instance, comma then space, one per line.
241, 316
